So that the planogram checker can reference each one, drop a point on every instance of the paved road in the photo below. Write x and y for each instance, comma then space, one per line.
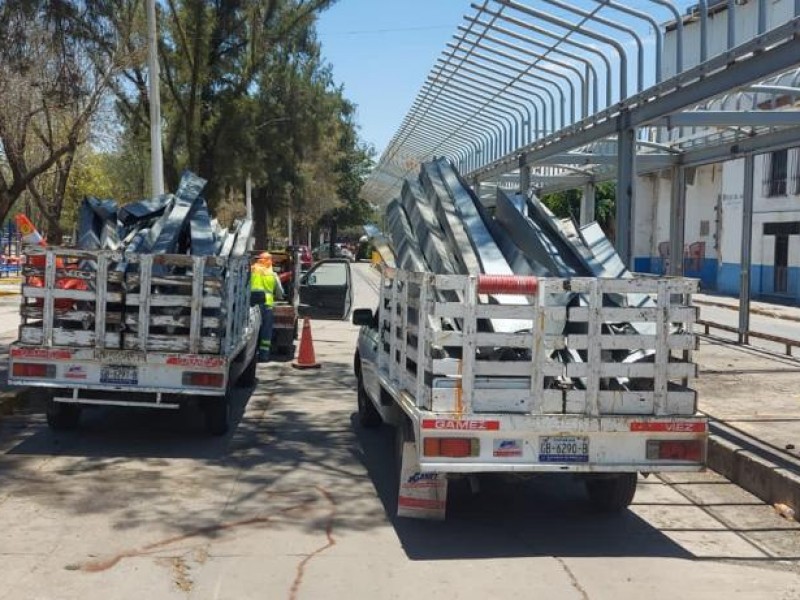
9, 317
297, 503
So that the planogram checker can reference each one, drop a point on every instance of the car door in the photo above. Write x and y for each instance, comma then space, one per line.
326, 290
368, 340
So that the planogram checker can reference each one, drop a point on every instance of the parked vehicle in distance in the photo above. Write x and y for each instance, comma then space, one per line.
339, 251
306, 258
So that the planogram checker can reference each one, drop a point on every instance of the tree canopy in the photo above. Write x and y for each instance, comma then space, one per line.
244, 91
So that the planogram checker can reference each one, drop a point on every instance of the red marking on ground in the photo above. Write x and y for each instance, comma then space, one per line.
298, 580
106, 564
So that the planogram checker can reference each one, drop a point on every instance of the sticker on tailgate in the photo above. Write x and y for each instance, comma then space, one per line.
119, 375
507, 448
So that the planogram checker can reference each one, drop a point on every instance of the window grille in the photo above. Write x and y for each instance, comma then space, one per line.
776, 173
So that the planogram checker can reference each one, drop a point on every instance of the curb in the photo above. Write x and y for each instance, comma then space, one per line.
756, 310
774, 481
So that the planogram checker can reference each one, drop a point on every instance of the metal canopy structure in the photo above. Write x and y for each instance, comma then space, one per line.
556, 95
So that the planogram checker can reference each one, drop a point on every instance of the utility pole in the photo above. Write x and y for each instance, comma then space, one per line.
289, 226
156, 158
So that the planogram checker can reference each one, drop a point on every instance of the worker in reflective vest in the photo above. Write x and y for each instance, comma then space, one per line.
264, 279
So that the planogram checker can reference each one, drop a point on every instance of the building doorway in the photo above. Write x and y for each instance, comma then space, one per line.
781, 268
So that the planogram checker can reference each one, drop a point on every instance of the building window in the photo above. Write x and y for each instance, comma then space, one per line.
794, 171
776, 173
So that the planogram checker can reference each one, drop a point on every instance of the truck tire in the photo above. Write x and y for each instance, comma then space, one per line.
218, 415
248, 376
61, 416
368, 416
613, 493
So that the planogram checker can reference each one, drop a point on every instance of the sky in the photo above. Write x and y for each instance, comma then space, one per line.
381, 51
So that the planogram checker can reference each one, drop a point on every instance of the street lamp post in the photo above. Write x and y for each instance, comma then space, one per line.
156, 157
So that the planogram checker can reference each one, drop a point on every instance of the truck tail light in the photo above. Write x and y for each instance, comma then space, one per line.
195, 379
33, 370
689, 450
459, 447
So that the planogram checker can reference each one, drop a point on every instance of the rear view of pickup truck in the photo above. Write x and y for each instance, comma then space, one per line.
147, 319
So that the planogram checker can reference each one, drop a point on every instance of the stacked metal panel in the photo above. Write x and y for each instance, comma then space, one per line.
439, 225
168, 224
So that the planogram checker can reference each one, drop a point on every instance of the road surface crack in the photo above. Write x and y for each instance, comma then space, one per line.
573, 580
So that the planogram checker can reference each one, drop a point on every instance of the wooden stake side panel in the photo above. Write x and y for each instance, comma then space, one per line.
105, 299
608, 359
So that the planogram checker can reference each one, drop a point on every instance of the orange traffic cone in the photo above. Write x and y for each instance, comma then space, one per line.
305, 357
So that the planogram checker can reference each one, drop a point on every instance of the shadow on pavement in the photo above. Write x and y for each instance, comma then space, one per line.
111, 432
508, 517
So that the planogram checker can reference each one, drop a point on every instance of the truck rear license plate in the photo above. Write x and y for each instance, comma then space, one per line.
119, 375
554, 449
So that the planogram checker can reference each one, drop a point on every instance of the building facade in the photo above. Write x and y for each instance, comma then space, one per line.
714, 193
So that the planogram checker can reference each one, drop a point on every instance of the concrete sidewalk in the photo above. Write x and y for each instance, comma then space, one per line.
766, 309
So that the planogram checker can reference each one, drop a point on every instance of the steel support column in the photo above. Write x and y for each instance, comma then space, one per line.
677, 221
626, 171
747, 243
588, 203
524, 178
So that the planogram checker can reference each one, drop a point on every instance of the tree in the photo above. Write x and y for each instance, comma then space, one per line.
213, 55
52, 84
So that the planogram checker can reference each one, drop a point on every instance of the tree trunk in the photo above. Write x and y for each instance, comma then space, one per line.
334, 235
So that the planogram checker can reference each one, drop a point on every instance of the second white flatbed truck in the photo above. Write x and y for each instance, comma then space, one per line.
473, 401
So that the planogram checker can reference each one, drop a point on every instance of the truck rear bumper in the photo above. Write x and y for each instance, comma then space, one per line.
556, 443
118, 371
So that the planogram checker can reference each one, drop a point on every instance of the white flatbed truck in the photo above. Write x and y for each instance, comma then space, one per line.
103, 328
473, 401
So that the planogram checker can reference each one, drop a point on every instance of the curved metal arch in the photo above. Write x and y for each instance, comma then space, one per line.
503, 137
485, 80
483, 106
464, 137
644, 17
468, 117
593, 16
678, 30
517, 76
620, 50
493, 99
487, 123
530, 88
587, 63
538, 56
409, 123
561, 40
457, 140
526, 72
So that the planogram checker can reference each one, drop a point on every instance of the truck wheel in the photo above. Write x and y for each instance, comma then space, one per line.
368, 416
61, 416
248, 376
612, 494
218, 415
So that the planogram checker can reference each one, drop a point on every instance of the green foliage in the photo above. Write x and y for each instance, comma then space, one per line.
244, 91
